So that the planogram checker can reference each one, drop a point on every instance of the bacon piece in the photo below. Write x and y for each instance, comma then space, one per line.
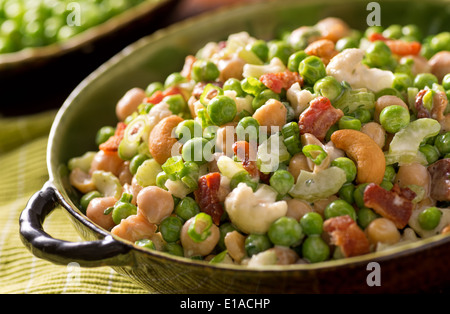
158, 96
277, 81
346, 234
438, 108
207, 196
319, 117
440, 179
112, 144
395, 204
187, 67
397, 46
422, 112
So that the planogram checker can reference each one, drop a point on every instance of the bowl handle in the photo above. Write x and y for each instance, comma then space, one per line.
106, 251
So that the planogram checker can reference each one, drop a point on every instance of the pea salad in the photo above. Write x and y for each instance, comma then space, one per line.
325, 143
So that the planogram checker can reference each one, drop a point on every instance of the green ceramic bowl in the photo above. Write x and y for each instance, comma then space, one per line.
414, 267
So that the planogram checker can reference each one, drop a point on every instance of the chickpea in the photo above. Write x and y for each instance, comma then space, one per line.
285, 255
440, 64
106, 162
385, 101
231, 68
95, 211
203, 248
333, 28
382, 230
319, 206
297, 208
155, 203
376, 132
414, 173
420, 64
298, 163
225, 138
81, 181
271, 115
446, 230
235, 244
134, 227
323, 48
129, 103
124, 174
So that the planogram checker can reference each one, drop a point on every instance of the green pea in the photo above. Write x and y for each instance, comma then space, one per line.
365, 217
339, 208
429, 218
252, 86
173, 248
123, 208
221, 109
243, 177
263, 97
349, 122
442, 143
328, 87
256, 243
145, 243
223, 230
187, 130
425, 79
430, 152
235, 85
378, 54
446, 82
393, 31
247, 129
346, 192
347, 165
282, 181
87, 198
314, 249
412, 31
402, 81
136, 161
187, 208
440, 42
387, 185
346, 42
312, 69
358, 195
204, 71
285, 231
198, 150
312, 223
372, 29
394, 118
363, 115
176, 103
389, 173
295, 59
170, 228
153, 87
174, 79
260, 49
103, 134
281, 50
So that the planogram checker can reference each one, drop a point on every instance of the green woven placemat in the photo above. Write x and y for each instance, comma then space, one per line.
23, 172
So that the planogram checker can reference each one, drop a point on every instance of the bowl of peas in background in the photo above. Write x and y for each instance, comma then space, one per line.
411, 267
60, 42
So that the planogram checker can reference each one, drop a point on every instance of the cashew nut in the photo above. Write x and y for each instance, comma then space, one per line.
322, 48
369, 157
161, 139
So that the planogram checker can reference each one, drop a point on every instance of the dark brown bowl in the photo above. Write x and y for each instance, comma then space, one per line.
411, 267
